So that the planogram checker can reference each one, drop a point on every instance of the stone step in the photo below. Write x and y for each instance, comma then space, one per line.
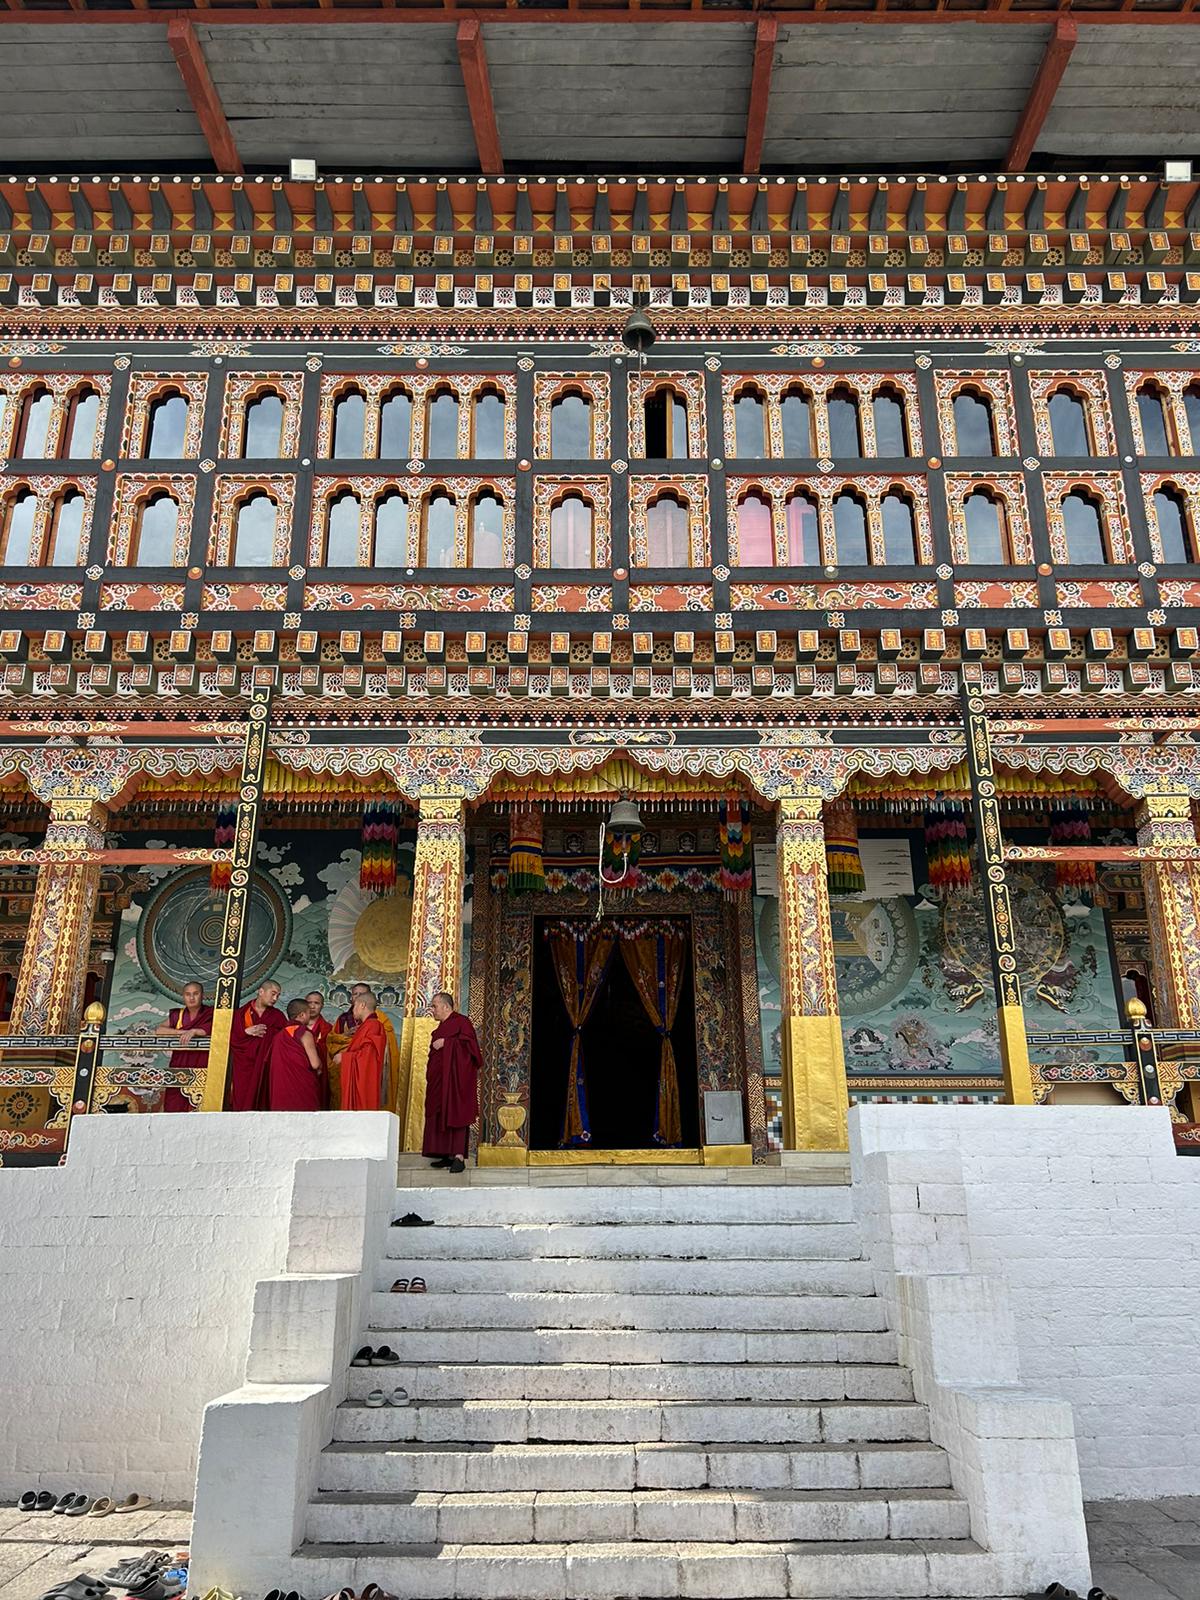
853, 1313
499, 1346
630, 1422
581, 1276
676, 1241
655, 1515
386, 1469
618, 1203
780, 1381
899, 1569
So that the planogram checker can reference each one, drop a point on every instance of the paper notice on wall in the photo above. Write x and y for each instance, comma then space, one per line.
766, 873
887, 867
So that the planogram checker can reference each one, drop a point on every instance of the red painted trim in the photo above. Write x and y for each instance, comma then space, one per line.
201, 90
1041, 93
246, 16
765, 34
473, 60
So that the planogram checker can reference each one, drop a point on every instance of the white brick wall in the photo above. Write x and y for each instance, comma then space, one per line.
127, 1283
1093, 1222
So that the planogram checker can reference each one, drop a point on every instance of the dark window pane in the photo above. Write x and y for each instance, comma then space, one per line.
985, 532
391, 531
899, 539
68, 528
1085, 539
168, 428
349, 421
850, 531
264, 429
571, 428
439, 530
395, 427
156, 532
888, 414
750, 439
442, 441
1068, 425
489, 427
1191, 407
973, 426
18, 533
254, 545
341, 544
1154, 423
35, 426
844, 437
487, 531
85, 413
797, 425
1172, 527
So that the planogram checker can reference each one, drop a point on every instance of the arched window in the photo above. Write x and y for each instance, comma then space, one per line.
1068, 424
891, 424
803, 532
749, 426
571, 427
254, 539
1153, 417
795, 410
666, 421
441, 428
19, 521
899, 532
167, 428
1084, 529
850, 529
667, 542
66, 530
755, 537
391, 530
487, 531
571, 533
342, 523
395, 426
986, 528
1173, 531
349, 426
1191, 409
439, 528
487, 425
974, 433
83, 415
157, 525
845, 433
33, 436
262, 438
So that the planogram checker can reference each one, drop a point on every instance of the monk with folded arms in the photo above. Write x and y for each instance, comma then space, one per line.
254, 1026
294, 1066
192, 1020
451, 1085
362, 1059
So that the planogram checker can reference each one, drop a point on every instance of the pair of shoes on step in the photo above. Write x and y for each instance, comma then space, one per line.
449, 1163
410, 1219
403, 1286
67, 1505
372, 1591
385, 1356
377, 1397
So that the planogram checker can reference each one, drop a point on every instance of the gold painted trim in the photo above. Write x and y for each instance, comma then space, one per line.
614, 1158
728, 1155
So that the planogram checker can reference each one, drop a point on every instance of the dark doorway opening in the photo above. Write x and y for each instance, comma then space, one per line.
621, 1051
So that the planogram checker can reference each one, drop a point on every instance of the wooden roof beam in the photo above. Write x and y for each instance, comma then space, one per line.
1032, 120
472, 59
202, 92
766, 32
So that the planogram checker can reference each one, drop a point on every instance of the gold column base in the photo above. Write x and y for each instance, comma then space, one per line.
815, 1097
1014, 1056
727, 1155
502, 1155
217, 1068
414, 1055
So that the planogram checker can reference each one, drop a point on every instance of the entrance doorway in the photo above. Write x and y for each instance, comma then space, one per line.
621, 1055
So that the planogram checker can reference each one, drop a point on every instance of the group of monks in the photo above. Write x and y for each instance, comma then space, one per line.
302, 1062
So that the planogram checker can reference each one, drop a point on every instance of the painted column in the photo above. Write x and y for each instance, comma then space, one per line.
815, 1097
435, 943
48, 996
1172, 909
241, 886
1001, 927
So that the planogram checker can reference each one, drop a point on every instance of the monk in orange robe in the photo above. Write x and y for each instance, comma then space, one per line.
293, 1065
362, 1059
451, 1085
254, 1026
192, 1020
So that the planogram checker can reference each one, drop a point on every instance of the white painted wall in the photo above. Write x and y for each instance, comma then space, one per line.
1093, 1223
128, 1280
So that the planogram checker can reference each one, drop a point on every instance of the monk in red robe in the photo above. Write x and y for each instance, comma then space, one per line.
254, 1025
451, 1085
192, 1020
321, 1028
293, 1065
362, 1059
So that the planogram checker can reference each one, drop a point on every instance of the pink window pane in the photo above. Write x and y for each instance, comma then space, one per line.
803, 539
667, 534
756, 546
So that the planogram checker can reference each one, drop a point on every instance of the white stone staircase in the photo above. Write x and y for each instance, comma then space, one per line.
681, 1388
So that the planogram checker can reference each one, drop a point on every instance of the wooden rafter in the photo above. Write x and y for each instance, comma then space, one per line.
473, 61
1058, 50
766, 33
989, 13
202, 92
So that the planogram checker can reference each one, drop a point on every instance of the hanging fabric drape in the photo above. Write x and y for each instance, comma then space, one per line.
734, 875
655, 963
526, 869
579, 966
224, 831
842, 858
1070, 823
380, 830
947, 858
